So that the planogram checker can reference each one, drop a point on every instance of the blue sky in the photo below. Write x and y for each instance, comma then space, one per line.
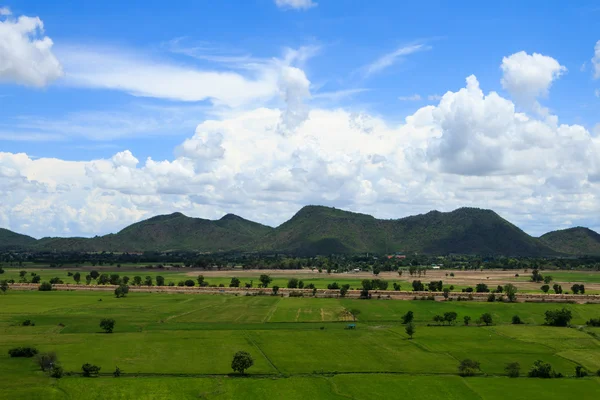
138, 79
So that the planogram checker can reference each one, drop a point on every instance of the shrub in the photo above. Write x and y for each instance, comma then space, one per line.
466, 319
481, 288
468, 367
513, 369
332, 286
45, 287
28, 322
516, 320
27, 352
57, 371
491, 297
486, 318
90, 370
558, 317
190, 283
117, 372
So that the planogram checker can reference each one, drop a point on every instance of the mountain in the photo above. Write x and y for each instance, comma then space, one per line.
575, 241
168, 232
12, 240
324, 230
319, 230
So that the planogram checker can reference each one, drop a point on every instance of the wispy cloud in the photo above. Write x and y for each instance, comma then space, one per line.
434, 97
390, 59
295, 4
338, 94
5, 11
414, 97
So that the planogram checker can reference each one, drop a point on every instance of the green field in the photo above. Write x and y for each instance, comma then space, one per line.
180, 346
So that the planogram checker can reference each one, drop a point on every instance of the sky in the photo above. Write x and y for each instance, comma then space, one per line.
110, 115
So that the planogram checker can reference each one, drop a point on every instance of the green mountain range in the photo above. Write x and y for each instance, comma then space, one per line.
325, 230
576, 241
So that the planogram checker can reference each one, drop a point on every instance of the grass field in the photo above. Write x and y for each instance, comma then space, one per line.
181, 346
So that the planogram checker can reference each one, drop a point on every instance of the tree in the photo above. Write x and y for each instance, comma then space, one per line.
408, 317
46, 361
4, 285
511, 292
265, 280
114, 279
450, 317
446, 293
418, 286
1, 270
94, 274
486, 318
121, 291
189, 283
88, 279
580, 372
22, 274
468, 367
117, 372
148, 281
376, 271
55, 281
57, 371
235, 282
536, 276
410, 329
45, 287
137, 280
547, 279
513, 369
108, 324
292, 283
275, 290
557, 288
160, 280
466, 319
438, 318
516, 320
343, 291
576, 288
558, 317
77, 277
103, 279
200, 280
541, 369
355, 313
481, 288
241, 361
396, 286
90, 370
545, 288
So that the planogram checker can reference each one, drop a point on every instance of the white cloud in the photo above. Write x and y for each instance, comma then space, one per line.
389, 59
596, 60
26, 55
296, 4
414, 97
295, 90
528, 77
4, 11
434, 97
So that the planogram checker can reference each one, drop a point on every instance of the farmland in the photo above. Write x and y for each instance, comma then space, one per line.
181, 346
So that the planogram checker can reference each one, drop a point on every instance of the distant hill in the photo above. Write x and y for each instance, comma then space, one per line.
324, 230
319, 230
12, 240
575, 241
168, 232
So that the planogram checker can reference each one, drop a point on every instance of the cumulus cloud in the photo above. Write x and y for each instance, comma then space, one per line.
528, 77
471, 149
390, 59
596, 60
26, 55
295, 4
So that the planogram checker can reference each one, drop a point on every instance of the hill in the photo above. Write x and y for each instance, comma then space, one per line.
575, 241
168, 232
12, 240
320, 230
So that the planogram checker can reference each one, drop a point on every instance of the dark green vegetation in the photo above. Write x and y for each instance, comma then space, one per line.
577, 241
324, 230
182, 347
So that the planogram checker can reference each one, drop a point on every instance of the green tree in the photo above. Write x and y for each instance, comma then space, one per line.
88, 279
121, 291
200, 280
355, 313
235, 282
516, 320
468, 367
513, 369
148, 281
114, 279
292, 283
90, 370
343, 291
511, 292
108, 324
160, 280
45, 287
275, 290
94, 274
547, 279
265, 280
77, 277
241, 362
545, 288
410, 329
446, 293
580, 372
117, 372
137, 280
486, 318
4, 286
46, 361
376, 271
189, 283
408, 317
481, 288
466, 319
450, 317
558, 317
541, 369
